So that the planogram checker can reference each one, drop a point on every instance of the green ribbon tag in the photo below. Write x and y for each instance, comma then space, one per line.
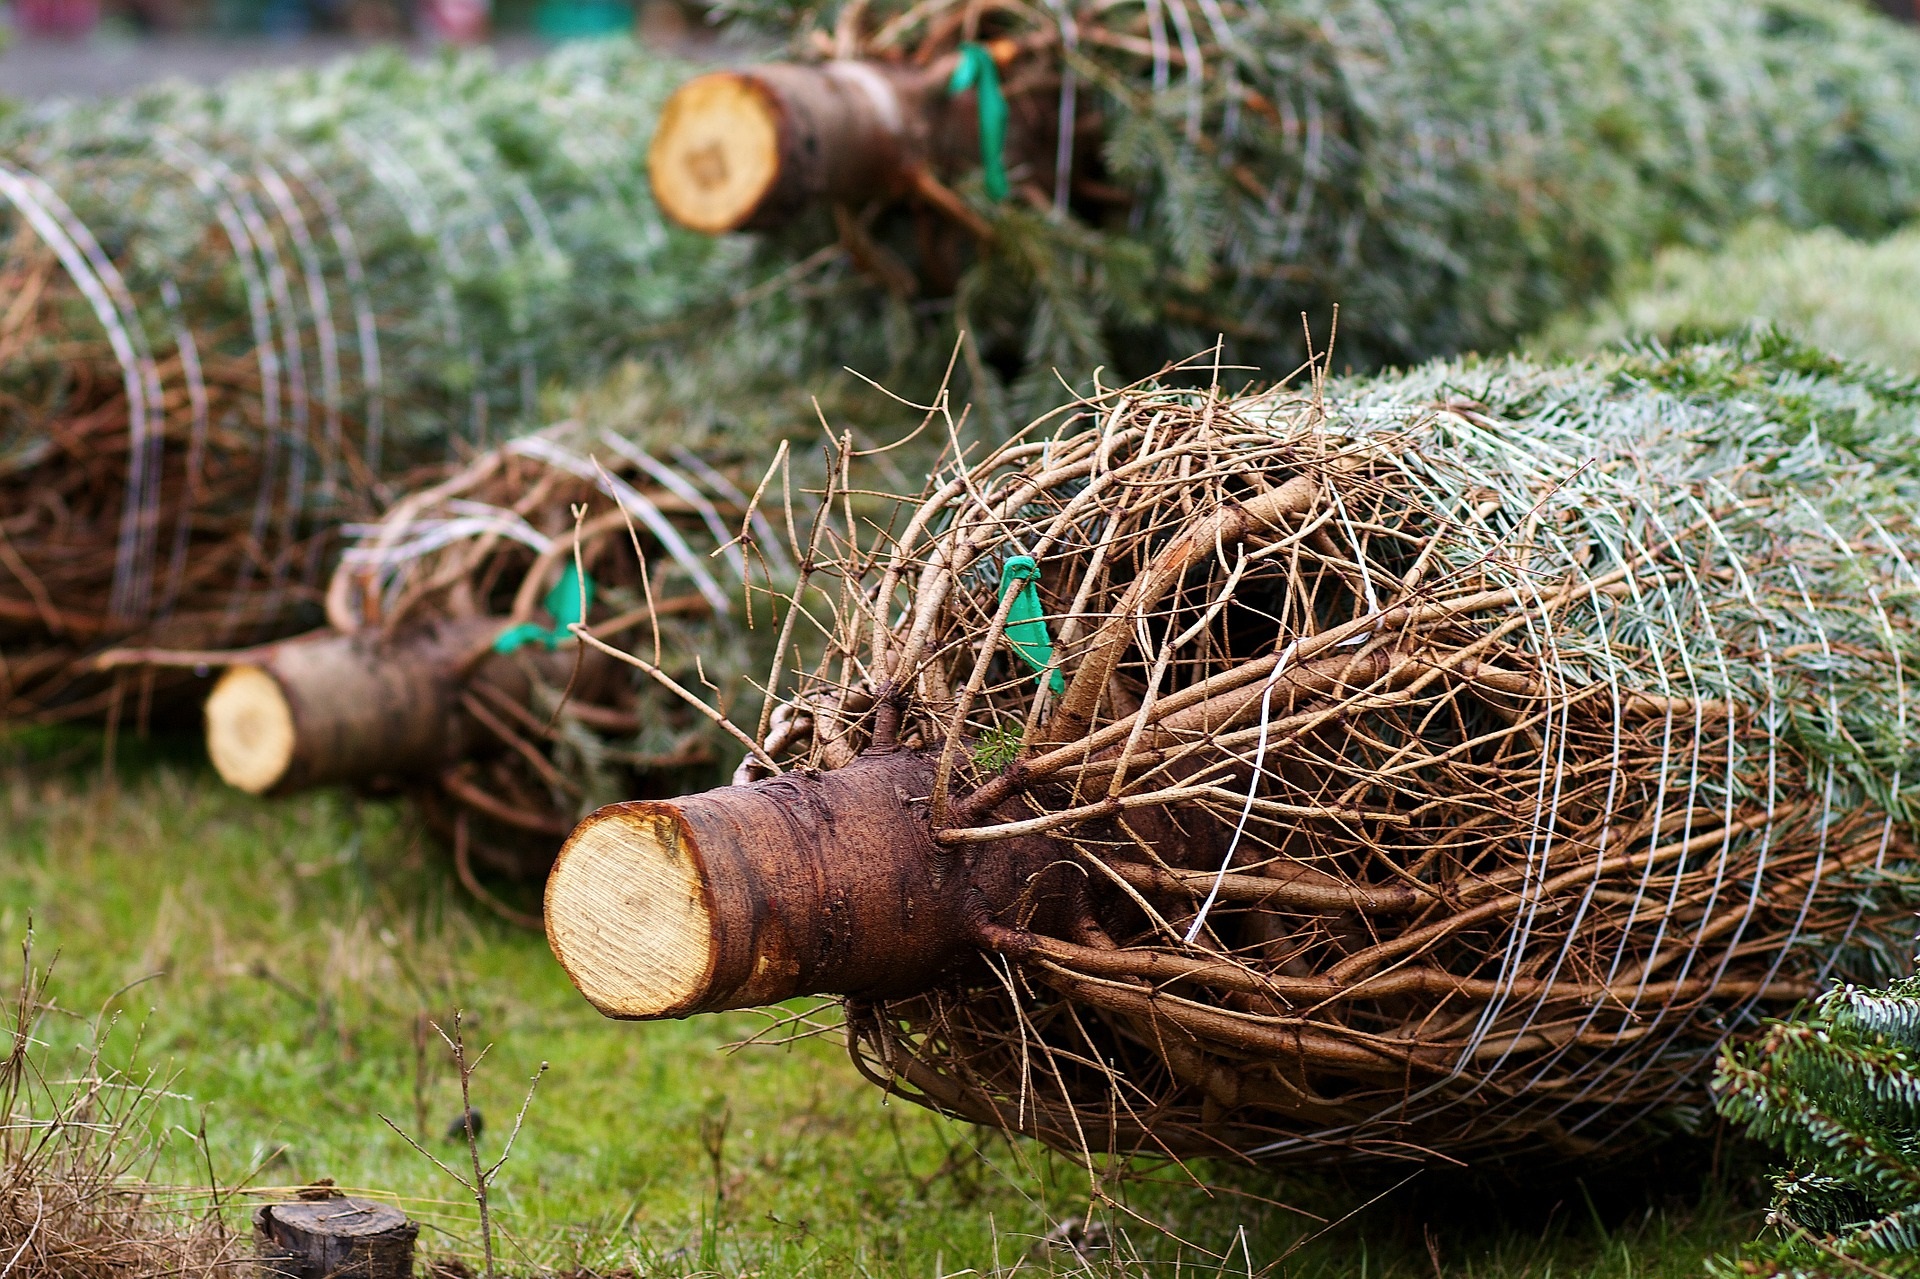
1026, 626
975, 70
567, 602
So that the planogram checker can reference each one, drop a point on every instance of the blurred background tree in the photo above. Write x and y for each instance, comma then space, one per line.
456, 21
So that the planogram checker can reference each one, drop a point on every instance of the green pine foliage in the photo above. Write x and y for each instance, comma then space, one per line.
1838, 1092
1856, 298
1452, 176
487, 207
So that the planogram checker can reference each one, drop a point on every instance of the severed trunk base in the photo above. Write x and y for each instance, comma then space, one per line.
329, 707
808, 883
334, 1238
752, 147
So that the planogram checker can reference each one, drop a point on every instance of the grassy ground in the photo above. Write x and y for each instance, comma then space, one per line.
279, 961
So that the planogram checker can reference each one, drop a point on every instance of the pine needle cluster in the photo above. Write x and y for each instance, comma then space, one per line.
1839, 1093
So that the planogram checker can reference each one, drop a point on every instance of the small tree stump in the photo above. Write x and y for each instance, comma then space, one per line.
341, 1238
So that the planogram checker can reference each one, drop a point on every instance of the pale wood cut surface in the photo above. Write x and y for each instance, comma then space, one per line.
716, 153
628, 916
250, 733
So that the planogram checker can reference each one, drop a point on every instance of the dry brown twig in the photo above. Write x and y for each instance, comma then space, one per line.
480, 1183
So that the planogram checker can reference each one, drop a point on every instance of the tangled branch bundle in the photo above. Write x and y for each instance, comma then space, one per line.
448, 661
233, 316
1449, 762
1450, 175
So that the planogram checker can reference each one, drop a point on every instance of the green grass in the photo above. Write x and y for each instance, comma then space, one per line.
286, 953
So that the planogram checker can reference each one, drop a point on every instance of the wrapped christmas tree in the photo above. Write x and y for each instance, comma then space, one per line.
1449, 762
448, 668
235, 318
1125, 182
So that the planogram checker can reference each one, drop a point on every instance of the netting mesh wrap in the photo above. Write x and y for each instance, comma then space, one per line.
1448, 762
527, 533
232, 316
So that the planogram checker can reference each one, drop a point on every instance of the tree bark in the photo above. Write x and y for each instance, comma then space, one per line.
339, 1238
806, 883
329, 707
754, 147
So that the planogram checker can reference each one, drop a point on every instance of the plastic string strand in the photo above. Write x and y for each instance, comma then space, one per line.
639, 504
1253, 789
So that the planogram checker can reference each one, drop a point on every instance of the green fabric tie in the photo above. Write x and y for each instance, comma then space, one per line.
567, 602
975, 70
1026, 626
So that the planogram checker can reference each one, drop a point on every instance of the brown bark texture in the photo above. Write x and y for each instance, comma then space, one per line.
803, 884
506, 750
338, 1238
328, 708
365, 707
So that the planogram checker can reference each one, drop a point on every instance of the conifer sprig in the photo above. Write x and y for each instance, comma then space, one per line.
1839, 1093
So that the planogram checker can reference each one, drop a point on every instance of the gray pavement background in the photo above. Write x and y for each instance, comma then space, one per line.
33, 70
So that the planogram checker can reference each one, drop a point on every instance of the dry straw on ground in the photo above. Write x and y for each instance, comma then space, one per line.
76, 1152
1444, 763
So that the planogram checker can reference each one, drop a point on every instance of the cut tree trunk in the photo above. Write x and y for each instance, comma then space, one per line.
807, 883
754, 147
330, 707
751, 147
338, 1238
